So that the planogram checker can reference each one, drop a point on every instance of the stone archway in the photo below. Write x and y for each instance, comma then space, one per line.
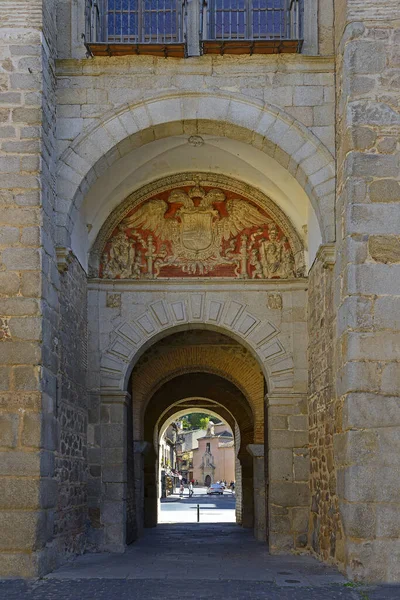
196, 309
288, 435
225, 394
266, 127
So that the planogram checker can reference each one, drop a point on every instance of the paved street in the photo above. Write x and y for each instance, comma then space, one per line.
213, 509
205, 561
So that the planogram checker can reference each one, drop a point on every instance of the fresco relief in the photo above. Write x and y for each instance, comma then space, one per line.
195, 231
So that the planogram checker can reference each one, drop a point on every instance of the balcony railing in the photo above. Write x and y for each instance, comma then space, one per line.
258, 26
121, 27
158, 27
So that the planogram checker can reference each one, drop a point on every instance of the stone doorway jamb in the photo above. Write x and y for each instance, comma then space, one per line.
114, 477
288, 471
260, 512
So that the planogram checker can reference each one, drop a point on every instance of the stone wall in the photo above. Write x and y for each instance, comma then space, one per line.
289, 468
326, 537
71, 411
28, 281
89, 89
367, 290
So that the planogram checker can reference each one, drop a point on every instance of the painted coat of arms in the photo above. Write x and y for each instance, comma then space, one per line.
195, 232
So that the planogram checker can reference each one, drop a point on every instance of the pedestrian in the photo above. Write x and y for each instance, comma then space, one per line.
190, 489
181, 490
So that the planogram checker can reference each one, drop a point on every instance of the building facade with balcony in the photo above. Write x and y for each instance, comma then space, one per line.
200, 208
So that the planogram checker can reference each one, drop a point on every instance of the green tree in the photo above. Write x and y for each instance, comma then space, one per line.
204, 422
196, 420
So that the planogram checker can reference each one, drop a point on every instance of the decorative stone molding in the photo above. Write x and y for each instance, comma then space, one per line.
256, 450
327, 255
309, 158
64, 256
197, 309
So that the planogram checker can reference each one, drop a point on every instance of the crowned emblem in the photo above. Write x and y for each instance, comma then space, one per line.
197, 231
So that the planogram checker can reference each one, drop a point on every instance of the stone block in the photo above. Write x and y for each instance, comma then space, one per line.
387, 313
20, 494
20, 565
387, 520
9, 283
369, 483
27, 328
384, 248
300, 518
112, 436
310, 95
32, 430
384, 190
26, 378
372, 165
366, 410
301, 466
289, 494
366, 57
21, 259
288, 439
280, 543
113, 512
8, 430
114, 474
113, 456
5, 378
280, 524
391, 379
18, 530
298, 422
278, 422
359, 520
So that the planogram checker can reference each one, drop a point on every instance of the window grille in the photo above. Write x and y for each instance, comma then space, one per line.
134, 22
251, 20
143, 21
118, 27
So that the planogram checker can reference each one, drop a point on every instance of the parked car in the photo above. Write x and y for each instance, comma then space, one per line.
215, 488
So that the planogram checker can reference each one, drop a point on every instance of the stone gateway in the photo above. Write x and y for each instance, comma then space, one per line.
200, 212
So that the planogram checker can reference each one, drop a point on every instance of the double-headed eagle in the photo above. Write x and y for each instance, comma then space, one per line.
240, 215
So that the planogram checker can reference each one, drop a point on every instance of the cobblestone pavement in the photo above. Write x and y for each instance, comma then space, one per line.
198, 562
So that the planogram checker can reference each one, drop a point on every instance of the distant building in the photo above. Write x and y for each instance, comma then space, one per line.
214, 459
168, 461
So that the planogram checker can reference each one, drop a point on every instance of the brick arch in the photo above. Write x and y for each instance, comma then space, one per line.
240, 369
210, 386
215, 388
265, 126
199, 310
196, 405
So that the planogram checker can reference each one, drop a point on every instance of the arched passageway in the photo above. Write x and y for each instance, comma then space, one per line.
192, 368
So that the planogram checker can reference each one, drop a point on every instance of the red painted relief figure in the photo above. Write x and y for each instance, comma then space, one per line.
197, 232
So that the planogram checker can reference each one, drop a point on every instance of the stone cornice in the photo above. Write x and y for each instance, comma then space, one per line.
64, 257
70, 67
327, 255
212, 283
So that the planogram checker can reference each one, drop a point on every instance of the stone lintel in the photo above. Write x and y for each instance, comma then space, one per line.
327, 255
256, 450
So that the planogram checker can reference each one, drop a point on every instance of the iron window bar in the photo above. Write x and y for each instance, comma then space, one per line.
263, 26
118, 27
